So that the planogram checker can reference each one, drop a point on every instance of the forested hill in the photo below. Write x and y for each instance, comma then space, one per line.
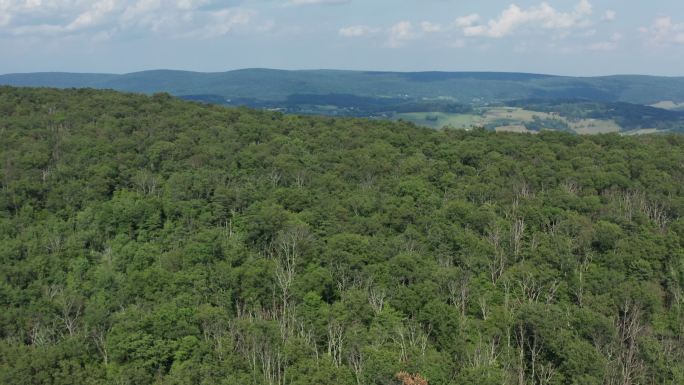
256, 86
147, 240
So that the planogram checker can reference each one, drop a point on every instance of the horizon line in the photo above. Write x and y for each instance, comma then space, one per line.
339, 70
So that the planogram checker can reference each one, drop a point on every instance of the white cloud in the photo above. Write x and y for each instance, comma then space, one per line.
316, 2
357, 31
142, 8
664, 32
187, 5
542, 16
467, 21
5, 16
95, 15
5, 19
584, 7
609, 45
106, 18
430, 27
223, 22
79, 16
603, 46
522, 47
609, 15
459, 43
400, 33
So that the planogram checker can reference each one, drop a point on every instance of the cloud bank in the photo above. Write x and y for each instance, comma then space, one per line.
514, 18
175, 18
663, 32
579, 23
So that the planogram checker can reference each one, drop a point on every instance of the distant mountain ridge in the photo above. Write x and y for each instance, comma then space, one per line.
461, 87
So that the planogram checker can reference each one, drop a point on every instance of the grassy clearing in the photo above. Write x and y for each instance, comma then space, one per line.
439, 120
669, 105
510, 119
594, 126
519, 128
513, 114
584, 126
643, 131
519, 114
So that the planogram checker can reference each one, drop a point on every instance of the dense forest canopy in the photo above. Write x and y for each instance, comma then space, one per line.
144, 239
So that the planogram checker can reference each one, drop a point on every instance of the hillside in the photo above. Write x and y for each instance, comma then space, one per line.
149, 240
431, 99
462, 87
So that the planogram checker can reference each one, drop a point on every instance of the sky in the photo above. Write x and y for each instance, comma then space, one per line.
565, 37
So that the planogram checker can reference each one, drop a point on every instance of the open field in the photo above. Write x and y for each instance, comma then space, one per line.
519, 128
510, 114
643, 131
594, 126
669, 105
513, 113
439, 120
509, 119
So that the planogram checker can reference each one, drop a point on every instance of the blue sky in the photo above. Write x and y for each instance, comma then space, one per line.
573, 37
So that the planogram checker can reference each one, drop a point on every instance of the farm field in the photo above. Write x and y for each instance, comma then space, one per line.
594, 126
643, 131
513, 113
518, 128
669, 105
439, 120
505, 119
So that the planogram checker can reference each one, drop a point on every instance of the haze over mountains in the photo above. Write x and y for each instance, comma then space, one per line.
269, 84
531, 102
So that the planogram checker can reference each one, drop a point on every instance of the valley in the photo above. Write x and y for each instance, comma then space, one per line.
496, 101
